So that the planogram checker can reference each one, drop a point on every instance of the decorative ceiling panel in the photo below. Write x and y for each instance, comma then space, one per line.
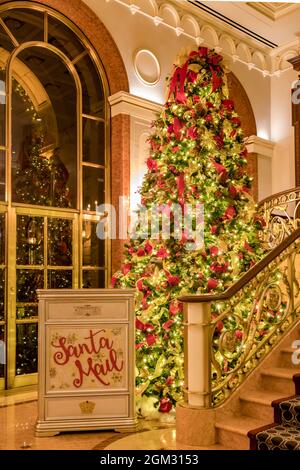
273, 10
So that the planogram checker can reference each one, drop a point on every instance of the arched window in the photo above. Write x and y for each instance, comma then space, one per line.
54, 136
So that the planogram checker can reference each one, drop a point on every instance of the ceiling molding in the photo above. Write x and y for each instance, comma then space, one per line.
177, 15
274, 10
125, 103
261, 146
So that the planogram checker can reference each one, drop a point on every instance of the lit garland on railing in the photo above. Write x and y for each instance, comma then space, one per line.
281, 214
250, 323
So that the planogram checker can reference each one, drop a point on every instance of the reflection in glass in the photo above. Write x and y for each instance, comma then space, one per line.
25, 25
60, 242
2, 351
45, 159
92, 90
27, 312
93, 279
2, 175
2, 132
2, 294
93, 187
26, 353
2, 239
59, 279
5, 41
30, 240
63, 38
28, 281
93, 141
2, 108
92, 247
28, 168
45, 134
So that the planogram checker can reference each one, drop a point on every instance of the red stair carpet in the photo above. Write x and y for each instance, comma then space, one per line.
284, 433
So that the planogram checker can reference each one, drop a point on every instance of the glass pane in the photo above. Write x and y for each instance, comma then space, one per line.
59, 279
93, 279
63, 38
45, 133
30, 240
2, 175
25, 25
92, 247
92, 90
26, 353
5, 40
2, 239
2, 109
60, 242
2, 351
28, 281
93, 141
28, 168
93, 187
2, 294
27, 312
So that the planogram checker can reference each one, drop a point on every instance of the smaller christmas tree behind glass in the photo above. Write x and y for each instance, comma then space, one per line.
42, 180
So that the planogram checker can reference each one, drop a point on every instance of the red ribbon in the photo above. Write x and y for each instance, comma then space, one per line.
180, 184
178, 125
216, 81
177, 83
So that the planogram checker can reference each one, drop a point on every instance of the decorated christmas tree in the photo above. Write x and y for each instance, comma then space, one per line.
41, 180
197, 156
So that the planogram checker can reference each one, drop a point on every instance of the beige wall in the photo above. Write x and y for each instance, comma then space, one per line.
282, 132
257, 88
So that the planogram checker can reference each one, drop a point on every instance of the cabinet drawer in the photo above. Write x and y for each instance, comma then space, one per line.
87, 407
92, 310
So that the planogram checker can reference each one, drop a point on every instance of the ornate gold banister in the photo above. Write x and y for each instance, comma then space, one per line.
248, 276
281, 214
227, 334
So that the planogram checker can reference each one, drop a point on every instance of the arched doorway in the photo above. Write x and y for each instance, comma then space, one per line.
54, 171
244, 109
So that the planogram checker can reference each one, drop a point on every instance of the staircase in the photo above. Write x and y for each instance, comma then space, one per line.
252, 407
233, 374
284, 433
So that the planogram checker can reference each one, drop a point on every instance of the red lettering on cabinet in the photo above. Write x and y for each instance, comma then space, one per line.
86, 366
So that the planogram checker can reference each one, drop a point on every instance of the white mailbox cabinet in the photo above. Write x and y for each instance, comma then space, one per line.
86, 360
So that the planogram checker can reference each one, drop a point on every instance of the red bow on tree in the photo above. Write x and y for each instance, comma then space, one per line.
177, 84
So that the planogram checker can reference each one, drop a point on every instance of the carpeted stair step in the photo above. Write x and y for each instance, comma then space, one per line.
275, 437
257, 404
287, 411
284, 432
232, 432
278, 379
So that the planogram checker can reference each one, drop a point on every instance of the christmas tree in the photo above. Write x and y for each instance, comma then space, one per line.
197, 155
41, 180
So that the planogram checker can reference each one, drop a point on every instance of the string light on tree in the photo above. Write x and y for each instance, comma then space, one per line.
197, 155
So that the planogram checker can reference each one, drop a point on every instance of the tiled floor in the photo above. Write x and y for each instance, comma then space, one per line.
160, 439
17, 432
18, 413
